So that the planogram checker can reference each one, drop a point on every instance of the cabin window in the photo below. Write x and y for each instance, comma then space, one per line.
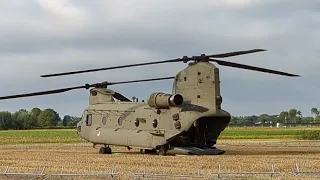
120, 121
104, 120
155, 123
94, 93
89, 119
137, 122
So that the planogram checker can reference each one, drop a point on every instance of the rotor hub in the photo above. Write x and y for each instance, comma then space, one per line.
196, 59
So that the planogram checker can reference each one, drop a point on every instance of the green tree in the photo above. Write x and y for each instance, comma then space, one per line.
263, 118
299, 113
307, 119
73, 122
299, 117
36, 111
66, 120
28, 121
239, 120
22, 119
252, 119
314, 113
23, 110
48, 117
283, 117
292, 115
5, 120
276, 119
16, 119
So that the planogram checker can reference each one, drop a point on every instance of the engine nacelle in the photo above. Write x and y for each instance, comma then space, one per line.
162, 100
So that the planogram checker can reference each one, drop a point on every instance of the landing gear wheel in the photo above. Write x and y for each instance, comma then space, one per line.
162, 151
108, 150
148, 151
102, 150
105, 150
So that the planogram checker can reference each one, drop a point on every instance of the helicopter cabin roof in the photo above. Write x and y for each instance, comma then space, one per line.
103, 91
117, 106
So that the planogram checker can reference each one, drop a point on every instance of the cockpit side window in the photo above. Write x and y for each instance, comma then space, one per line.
89, 120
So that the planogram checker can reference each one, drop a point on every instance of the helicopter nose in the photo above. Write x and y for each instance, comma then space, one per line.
78, 127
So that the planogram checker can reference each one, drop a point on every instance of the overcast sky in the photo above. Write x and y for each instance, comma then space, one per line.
40, 37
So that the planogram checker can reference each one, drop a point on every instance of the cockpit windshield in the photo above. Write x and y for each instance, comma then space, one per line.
174, 85
80, 122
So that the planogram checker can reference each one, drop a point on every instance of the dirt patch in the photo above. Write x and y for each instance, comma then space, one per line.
83, 158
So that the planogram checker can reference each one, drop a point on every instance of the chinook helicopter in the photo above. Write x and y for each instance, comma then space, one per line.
187, 121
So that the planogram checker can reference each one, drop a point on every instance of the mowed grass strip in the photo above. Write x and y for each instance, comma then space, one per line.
39, 136
265, 132
11, 137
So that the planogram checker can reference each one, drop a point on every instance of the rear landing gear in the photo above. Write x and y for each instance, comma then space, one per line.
105, 150
148, 151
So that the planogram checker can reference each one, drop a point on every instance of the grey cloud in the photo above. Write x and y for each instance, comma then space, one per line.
35, 42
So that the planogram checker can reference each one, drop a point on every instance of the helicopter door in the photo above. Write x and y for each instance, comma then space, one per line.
86, 126
89, 120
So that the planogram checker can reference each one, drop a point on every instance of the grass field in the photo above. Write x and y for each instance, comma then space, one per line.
70, 135
78, 157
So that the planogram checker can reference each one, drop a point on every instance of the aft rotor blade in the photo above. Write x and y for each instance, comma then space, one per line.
141, 80
121, 97
109, 68
236, 53
55, 91
183, 59
253, 68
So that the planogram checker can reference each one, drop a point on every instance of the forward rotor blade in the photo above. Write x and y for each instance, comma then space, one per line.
141, 80
41, 93
236, 53
109, 68
253, 68
86, 86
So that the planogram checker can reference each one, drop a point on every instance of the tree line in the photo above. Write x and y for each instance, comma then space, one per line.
292, 116
36, 118
48, 118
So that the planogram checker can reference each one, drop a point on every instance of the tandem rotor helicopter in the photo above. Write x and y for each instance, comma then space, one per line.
187, 121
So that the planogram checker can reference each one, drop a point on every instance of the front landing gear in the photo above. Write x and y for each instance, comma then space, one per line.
105, 150
162, 151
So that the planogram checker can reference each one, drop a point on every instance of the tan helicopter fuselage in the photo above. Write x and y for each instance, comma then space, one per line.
164, 118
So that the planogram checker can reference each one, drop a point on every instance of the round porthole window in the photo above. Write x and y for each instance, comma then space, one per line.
155, 123
136, 122
120, 121
104, 120
94, 93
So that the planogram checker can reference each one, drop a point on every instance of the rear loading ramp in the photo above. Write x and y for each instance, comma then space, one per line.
190, 150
